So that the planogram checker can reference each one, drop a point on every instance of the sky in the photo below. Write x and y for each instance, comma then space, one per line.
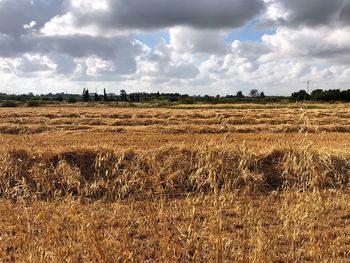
198, 47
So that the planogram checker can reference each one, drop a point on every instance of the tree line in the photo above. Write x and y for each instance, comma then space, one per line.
171, 97
123, 96
323, 95
253, 96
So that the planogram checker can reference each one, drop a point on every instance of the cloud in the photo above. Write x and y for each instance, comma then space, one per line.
158, 14
71, 44
250, 50
120, 51
345, 13
194, 41
326, 45
30, 64
165, 64
310, 13
16, 14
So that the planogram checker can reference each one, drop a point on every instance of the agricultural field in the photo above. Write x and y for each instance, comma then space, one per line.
199, 183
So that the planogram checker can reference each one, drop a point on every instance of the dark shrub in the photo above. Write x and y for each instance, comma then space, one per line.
187, 101
72, 100
33, 103
9, 104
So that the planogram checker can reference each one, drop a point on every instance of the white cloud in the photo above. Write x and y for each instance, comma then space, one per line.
194, 41
31, 25
165, 64
326, 43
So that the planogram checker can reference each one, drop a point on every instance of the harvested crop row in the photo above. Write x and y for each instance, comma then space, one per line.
111, 175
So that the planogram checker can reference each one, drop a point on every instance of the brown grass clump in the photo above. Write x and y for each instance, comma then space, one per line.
112, 175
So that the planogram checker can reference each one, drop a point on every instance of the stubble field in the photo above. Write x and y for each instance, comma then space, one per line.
238, 183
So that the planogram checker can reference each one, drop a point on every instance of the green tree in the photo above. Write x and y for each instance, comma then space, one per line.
105, 96
317, 94
123, 95
254, 93
72, 100
86, 95
97, 97
240, 94
301, 95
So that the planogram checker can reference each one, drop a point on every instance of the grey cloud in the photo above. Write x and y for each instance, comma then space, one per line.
82, 46
194, 41
14, 14
34, 65
65, 64
6, 70
155, 14
345, 14
173, 72
332, 55
76, 46
14, 46
121, 51
314, 13
250, 50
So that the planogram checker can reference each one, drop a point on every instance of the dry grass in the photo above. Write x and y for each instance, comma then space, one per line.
250, 120
175, 185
